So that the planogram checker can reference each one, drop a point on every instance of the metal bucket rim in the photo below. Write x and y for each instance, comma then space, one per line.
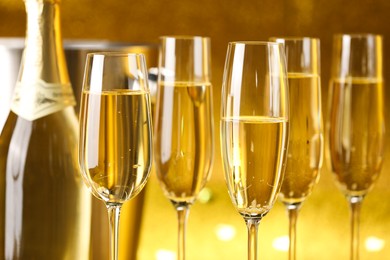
70, 44
12, 42
75, 44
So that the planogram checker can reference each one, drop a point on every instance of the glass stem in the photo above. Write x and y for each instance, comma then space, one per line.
113, 219
182, 210
355, 206
292, 211
252, 225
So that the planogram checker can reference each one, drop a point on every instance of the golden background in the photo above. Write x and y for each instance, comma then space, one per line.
323, 224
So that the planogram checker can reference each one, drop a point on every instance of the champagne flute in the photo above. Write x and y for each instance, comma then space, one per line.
254, 129
115, 148
356, 124
305, 150
183, 123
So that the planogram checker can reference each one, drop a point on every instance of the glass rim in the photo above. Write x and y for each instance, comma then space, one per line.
184, 37
254, 43
357, 35
295, 38
115, 54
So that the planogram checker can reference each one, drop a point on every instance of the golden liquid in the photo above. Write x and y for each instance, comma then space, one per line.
115, 143
129, 228
254, 155
183, 139
305, 148
47, 206
356, 133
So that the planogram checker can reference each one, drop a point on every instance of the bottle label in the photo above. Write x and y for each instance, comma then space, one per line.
38, 99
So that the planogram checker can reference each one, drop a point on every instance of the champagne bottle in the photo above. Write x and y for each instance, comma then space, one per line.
46, 211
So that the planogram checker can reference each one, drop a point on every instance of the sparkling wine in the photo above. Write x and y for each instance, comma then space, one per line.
356, 137
47, 211
254, 159
305, 148
183, 144
117, 143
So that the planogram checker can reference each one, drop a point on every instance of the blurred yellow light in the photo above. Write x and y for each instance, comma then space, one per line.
281, 243
225, 232
164, 254
374, 244
205, 195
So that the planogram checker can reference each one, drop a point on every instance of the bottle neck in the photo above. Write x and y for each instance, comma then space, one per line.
44, 55
43, 85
